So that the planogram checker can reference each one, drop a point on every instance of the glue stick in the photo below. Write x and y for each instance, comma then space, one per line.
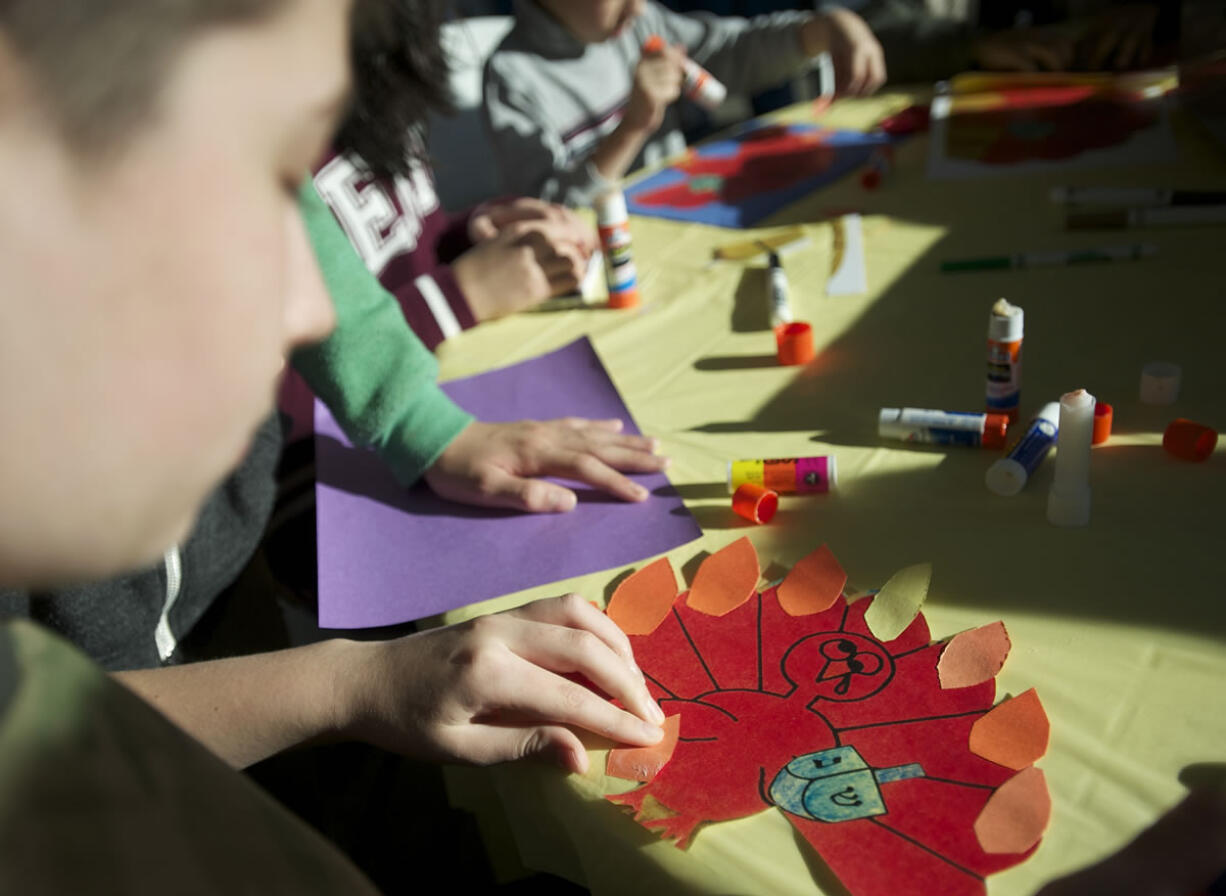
781, 310
699, 86
1004, 359
802, 475
1008, 475
942, 427
1068, 503
613, 223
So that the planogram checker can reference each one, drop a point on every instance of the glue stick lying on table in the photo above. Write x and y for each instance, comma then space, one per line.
700, 85
943, 427
802, 475
1008, 475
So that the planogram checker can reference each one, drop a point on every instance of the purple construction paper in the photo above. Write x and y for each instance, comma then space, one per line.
389, 555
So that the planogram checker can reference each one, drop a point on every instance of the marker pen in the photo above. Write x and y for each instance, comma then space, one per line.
781, 311
1047, 259
942, 427
1135, 196
1004, 387
1008, 475
802, 475
613, 224
1160, 216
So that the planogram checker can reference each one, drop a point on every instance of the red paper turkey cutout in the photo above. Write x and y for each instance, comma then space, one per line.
760, 692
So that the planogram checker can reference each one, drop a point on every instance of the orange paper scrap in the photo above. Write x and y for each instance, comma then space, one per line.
898, 602
974, 657
1013, 733
644, 763
1016, 815
812, 585
644, 599
726, 579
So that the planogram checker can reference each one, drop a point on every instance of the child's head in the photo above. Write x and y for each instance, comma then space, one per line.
593, 21
153, 268
400, 75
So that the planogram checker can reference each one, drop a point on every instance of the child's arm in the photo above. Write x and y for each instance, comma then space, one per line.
749, 55
480, 692
375, 376
378, 379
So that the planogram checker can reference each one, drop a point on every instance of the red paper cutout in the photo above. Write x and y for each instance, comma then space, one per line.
726, 579
813, 584
1017, 814
644, 763
643, 599
974, 656
758, 688
1014, 734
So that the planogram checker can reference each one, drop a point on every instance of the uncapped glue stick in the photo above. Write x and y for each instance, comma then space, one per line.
1068, 503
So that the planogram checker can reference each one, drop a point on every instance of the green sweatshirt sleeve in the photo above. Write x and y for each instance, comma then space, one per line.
372, 372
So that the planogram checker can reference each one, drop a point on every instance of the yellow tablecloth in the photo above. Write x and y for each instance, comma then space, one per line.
1119, 625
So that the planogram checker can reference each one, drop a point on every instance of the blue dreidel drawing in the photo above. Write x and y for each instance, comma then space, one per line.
835, 785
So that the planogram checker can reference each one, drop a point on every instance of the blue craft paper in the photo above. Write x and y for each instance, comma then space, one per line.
852, 150
389, 555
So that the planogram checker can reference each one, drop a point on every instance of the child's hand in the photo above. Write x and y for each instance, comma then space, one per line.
524, 263
494, 464
492, 689
657, 84
490, 218
1118, 39
859, 63
1048, 49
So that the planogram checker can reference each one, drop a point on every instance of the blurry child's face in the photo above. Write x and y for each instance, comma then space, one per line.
147, 301
593, 21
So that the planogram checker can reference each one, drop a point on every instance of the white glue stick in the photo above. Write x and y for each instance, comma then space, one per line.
699, 85
1008, 475
1068, 503
780, 308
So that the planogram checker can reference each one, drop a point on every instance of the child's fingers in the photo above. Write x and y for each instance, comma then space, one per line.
566, 650
573, 611
586, 467
499, 743
539, 694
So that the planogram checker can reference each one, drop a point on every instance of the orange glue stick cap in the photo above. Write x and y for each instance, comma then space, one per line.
995, 427
653, 44
1189, 440
755, 503
1103, 414
794, 343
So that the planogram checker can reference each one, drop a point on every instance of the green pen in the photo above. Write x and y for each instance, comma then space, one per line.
1047, 259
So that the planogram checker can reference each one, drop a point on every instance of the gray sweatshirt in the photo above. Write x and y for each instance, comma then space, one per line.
550, 99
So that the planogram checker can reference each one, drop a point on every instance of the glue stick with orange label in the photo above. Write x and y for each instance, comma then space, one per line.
700, 86
1004, 390
613, 224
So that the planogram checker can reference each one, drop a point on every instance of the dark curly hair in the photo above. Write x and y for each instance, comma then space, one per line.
400, 75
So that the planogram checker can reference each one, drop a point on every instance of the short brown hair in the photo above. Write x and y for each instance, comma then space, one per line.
100, 64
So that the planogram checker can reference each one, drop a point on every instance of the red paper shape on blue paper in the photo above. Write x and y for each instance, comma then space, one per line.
760, 168
853, 739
